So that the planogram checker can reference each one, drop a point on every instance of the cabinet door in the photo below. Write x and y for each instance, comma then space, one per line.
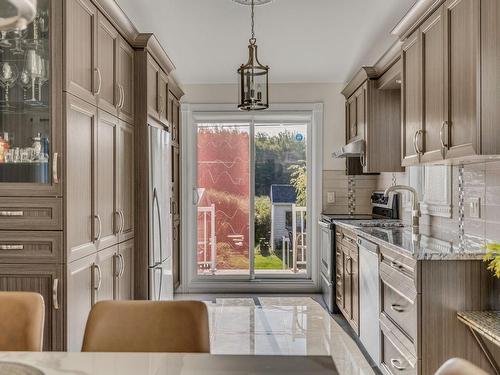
354, 270
462, 20
411, 100
107, 62
361, 111
125, 290
176, 253
106, 274
162, 96
126, 81
339, 277
125, 181
351, 118
105, 186
48, 281
153, 72
81, 228
176, 183
176, 121
432, 39
347, 285
80, 299
81, 50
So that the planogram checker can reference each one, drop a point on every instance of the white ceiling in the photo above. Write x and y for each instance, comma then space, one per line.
301, 40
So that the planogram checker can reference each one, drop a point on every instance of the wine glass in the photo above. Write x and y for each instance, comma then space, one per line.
4, 42
8, 77
44, 76
25, 82
33, 67
18, 35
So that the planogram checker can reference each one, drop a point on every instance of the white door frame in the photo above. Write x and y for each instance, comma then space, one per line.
191, 282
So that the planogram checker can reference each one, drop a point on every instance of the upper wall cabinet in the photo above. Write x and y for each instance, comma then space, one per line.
82, 76
451, 66
99, 62
30, 116
373, 120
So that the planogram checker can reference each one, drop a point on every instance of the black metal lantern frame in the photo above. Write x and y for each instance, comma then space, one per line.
253, 79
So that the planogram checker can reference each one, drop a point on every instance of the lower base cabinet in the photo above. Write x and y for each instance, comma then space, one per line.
46, 279
102, 276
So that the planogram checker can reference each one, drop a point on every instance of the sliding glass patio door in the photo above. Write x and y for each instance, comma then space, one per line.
251, 195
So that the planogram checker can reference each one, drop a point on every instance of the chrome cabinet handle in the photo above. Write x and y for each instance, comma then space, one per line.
55, 293
97, 268
123, 96
11, 213
117, 226
122, 218
396, 264
362, 160
349, 269
122, 265
419, 132
55, 170
116, 261
11, 247
441, 133
98, 235
397, 308
99, 76
397, 364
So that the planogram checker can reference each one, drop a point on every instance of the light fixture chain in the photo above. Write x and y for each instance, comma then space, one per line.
253, 22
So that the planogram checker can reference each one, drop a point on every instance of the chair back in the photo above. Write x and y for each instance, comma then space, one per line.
21, 321
147, 326
458, 366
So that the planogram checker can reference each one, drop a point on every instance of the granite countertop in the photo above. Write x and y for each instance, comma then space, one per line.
485, 322
426, 244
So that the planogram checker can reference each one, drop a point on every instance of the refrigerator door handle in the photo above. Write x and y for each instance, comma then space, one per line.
196, 196
157, 203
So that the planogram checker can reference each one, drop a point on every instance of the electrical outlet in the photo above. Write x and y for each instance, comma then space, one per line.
330, 196
475, 208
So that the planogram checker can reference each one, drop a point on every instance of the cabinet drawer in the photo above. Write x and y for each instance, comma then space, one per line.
400, 309
397, 279
399, 261
31, 247
31, 213
396, 359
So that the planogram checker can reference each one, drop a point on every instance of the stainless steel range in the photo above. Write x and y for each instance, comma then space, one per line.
385, 211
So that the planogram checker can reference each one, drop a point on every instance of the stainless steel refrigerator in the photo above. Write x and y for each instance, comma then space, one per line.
160, 218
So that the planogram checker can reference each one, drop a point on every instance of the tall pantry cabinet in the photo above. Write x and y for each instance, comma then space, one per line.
67, 165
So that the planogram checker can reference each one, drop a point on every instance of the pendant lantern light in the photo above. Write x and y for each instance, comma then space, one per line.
253, 77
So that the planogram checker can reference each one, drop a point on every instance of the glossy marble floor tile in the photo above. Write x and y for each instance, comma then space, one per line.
282, 326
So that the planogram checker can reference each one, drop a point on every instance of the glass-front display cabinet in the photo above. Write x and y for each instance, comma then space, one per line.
30, 98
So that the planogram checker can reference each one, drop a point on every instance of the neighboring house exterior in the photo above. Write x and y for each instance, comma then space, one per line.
282, 199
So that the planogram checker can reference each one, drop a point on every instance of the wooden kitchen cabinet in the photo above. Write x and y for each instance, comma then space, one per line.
107, 43
81, 295
433, 83
124, 277
347, 276
373, 123
411, 100
153, 81
81, 224
105, 277
450, 64
162, 97
125, 60
81, 53
46, 279
125, 182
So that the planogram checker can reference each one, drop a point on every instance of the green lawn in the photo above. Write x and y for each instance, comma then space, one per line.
271, 262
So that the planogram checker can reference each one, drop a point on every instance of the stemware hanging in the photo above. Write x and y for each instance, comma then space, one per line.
33, 67
8, 77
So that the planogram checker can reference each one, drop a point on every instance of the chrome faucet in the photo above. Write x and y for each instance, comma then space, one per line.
415, 212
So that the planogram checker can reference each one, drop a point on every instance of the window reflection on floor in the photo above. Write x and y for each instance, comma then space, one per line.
282, 326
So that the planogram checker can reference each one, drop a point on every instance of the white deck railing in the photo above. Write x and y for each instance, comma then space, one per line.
208, 239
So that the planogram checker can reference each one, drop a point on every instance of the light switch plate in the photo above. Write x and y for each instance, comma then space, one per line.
475, 208
330, 197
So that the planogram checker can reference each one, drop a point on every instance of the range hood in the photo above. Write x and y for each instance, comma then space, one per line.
353, 149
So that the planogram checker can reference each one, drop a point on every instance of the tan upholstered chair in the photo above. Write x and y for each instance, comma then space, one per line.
21, 321
147, 326
457, 366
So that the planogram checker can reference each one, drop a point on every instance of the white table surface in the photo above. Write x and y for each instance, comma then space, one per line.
56, 363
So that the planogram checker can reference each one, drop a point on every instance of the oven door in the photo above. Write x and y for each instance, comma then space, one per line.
326, 249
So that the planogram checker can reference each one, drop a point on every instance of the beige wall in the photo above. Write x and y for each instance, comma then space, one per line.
326, 93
